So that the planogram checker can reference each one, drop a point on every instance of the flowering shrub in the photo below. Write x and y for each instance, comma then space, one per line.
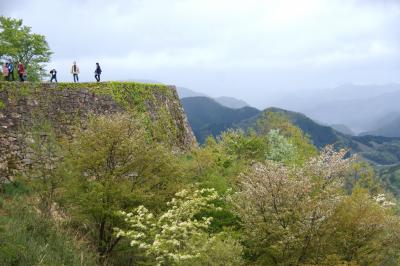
176, 236
301, 215
283, 209
382, 201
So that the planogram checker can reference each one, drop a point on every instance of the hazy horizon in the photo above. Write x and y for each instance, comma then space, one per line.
257, 50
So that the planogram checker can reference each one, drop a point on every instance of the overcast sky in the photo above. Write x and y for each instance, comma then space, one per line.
255, 50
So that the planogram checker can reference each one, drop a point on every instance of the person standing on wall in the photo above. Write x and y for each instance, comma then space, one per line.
21, 72
5, 71
11, 71
75, 72
53, 73
97, 72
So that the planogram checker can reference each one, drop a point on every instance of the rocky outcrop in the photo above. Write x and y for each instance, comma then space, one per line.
67, 106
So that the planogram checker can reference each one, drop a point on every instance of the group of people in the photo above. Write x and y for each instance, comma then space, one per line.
8, 71
75, 73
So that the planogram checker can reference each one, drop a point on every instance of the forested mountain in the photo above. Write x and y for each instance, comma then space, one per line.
343, 129
226, 101
390, 178
207, 117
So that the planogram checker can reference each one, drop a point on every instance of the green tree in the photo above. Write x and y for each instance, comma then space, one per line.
19, 44
363, 175
113, 165
365, 230
242, 146
280, 149
275, 121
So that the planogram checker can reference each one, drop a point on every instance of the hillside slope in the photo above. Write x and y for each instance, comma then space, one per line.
376, 149
207, 117
342, 129
226, 101
231, 102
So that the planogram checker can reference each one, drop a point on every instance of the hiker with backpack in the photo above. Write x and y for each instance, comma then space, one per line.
75, 72
53, 73
21, 72
11, 71
97, 72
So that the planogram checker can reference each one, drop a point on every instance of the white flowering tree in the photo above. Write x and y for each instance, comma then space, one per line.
283, 208
177, 236
301, 215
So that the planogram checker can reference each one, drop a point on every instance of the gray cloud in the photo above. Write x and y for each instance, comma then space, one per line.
256, 50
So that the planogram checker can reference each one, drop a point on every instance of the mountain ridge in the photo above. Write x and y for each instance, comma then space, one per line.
208, 117
205, 119
226, 101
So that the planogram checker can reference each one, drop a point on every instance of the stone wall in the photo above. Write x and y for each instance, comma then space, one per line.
67, 105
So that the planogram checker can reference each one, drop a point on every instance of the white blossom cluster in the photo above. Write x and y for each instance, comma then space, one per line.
382, 201
176, 235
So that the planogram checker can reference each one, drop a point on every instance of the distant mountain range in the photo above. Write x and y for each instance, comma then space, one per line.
349, 109
186, 93
361, 108
208, 117
373, 109
226, 101
386, 126
231, 102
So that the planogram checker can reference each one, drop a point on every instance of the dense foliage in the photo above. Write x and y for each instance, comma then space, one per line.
28, 238
115, 194
19, 44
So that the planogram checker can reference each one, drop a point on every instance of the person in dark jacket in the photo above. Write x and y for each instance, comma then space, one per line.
97, 72
53, 73
11, 71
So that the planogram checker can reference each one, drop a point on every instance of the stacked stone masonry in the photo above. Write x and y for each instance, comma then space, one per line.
66, 107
